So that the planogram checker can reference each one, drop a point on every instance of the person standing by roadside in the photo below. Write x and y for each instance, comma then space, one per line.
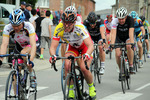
45, 32
32, 19
38, 27
23, 6
27, 11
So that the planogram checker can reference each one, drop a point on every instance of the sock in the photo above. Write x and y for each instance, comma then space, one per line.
103, 64
90, 85
130, 65
41, 56
32, 73
71, 87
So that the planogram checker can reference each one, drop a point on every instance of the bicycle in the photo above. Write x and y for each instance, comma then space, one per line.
124, 68
18, 83
136, 59
96, 64
77, 77
144, 48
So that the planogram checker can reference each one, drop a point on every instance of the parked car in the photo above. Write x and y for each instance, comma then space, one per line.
5, 10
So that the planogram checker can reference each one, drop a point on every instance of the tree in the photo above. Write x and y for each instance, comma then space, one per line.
2, 1
32, 2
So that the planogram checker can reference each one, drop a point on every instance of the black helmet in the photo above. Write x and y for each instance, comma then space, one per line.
142, 18
92, 17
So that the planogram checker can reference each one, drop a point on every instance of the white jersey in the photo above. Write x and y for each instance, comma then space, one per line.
22, 38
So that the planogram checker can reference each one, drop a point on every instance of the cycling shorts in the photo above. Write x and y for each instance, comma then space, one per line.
76, 51
96, 38
118, 40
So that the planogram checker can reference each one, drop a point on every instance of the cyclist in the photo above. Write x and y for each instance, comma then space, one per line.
139, 31
75, 34
96, 29
122, 30
107, 23
25, 39
147, 28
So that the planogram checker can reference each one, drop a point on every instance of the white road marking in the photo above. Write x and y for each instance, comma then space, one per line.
121, 96
142, 87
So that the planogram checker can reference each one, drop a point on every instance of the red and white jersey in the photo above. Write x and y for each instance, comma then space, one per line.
107, 25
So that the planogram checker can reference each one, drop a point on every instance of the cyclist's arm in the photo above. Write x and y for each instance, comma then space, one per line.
53, 47
102, 31
131, 35
143, 30
33, 46
5, 42
88, 42
113, 35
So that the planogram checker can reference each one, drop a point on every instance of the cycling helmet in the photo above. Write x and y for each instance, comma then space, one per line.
17, 17
142, 18
92, 17
121, 12
70, 14
133, 14
109, 16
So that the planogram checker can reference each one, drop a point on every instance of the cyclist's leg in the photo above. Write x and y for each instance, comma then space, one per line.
25, 50
140, 52
87, 74
130, 55
147, 45
102, 57
74, 52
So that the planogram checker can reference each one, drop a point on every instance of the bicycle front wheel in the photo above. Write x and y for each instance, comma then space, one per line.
62, 76
70, 79
98, 66
11, 89
122, 72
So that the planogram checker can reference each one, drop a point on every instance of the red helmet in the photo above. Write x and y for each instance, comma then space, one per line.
109, 16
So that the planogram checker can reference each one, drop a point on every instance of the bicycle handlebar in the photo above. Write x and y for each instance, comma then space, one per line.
69, 57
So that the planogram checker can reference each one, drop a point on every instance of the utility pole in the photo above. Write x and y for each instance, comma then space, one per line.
17, 4
117, 4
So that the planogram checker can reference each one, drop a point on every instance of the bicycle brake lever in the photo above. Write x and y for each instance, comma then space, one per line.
53, 64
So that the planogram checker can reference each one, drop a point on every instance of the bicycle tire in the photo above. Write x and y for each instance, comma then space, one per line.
10, 86
98, 66
110, 54
135, 64
31, 93
123, 80
128, 77
66, 87
62, 76
144, 50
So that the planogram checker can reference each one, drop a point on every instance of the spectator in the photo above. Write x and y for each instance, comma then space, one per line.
45, 32
27, 11
34, 16
23, 5
38, 27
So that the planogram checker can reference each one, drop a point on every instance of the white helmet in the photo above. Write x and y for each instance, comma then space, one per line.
121, 12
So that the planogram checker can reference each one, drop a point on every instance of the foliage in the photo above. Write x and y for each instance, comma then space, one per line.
32, 2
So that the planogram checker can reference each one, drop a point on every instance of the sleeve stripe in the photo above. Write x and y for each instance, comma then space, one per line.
5, 35
31, 34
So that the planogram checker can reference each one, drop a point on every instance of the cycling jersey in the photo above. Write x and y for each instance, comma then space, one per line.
74, 38
22, 38
137, 24
94, 32
146, 25
123, 30
107, 26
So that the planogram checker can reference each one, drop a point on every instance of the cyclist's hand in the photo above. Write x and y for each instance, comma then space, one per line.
1, 63
86, 57
52, 59
31, 64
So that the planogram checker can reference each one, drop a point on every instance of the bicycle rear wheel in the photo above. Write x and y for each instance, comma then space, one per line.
31, 93
66, 88
122, 71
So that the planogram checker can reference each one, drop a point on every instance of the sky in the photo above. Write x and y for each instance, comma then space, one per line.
104, 4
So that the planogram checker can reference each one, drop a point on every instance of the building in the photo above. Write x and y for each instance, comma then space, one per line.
83, 6
103, 13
